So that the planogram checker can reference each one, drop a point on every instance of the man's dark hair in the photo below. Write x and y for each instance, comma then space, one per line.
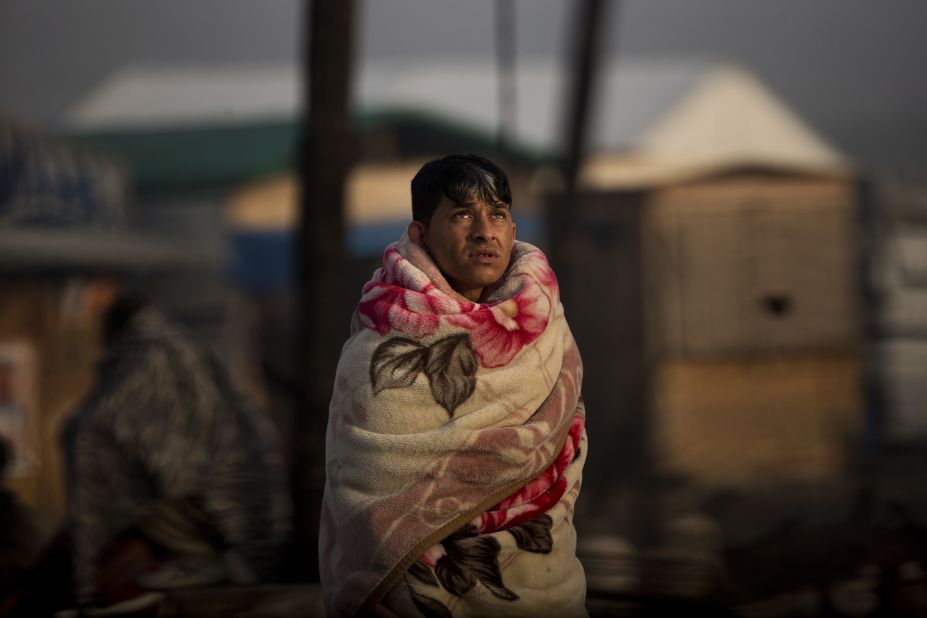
459, 178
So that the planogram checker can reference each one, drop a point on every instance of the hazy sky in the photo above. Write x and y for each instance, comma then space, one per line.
854, 68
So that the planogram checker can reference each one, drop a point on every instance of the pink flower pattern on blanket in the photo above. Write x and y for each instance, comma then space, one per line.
399, 298
529, 502
385, 307
539, 495
500, 331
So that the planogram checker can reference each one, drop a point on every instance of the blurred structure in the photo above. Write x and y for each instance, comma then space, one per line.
897, 277
187, 130
47, 340
736, 229
714, 276
68, 238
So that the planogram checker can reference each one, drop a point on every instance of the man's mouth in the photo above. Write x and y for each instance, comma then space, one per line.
484, 255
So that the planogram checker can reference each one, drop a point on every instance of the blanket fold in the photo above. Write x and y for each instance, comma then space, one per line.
455, 447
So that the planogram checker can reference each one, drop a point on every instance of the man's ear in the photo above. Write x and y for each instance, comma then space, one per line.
416, 232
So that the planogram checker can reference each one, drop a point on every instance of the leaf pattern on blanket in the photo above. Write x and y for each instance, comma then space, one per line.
451, 369
472, 560
396, 363
534, 535
449, 363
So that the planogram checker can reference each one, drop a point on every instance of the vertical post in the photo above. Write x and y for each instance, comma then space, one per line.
505, 61
584, 52
578, 258
324, 160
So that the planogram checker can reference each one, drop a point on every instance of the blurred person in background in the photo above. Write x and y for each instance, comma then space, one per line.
174, 478
456, 437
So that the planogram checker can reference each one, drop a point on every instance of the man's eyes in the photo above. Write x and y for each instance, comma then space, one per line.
501, 214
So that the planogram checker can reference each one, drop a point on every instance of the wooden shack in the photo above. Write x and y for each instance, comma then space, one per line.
753, 320
733, 272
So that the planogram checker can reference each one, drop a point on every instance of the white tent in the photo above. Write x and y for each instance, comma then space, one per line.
726, 119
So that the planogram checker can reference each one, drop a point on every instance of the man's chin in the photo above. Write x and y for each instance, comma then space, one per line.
486, 276
476, 277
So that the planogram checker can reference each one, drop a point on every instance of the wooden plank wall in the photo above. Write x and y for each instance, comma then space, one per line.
760, 422
753, 322
751, 266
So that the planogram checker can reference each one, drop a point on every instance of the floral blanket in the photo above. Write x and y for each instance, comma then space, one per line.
455, 448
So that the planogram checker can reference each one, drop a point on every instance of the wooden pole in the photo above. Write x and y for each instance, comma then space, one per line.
326, 150
585, 54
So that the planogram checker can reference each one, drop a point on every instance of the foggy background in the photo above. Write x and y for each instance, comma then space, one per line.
852, 68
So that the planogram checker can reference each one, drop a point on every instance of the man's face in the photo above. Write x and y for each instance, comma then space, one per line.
471, 243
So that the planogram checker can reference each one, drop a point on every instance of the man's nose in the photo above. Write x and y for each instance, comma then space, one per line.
482, 228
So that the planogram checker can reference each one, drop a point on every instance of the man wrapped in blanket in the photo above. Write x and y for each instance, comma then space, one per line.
455, 440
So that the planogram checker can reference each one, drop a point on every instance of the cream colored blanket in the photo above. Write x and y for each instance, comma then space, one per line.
455, 448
